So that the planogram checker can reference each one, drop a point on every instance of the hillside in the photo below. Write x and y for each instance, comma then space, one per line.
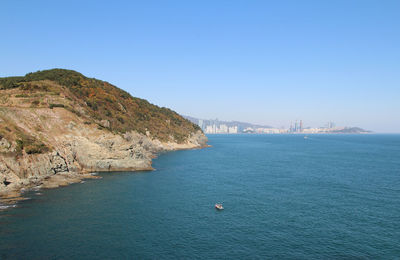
350, 130
56, 125
96, 101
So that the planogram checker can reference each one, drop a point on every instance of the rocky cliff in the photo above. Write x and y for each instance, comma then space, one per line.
58, 126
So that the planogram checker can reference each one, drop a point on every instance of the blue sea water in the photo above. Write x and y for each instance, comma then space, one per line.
285, 197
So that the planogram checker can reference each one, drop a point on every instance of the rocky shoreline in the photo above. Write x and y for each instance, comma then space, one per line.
9, 197
78, 156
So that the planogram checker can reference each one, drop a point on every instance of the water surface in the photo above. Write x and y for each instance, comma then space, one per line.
328, 196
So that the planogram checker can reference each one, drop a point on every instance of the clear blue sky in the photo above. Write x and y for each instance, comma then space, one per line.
268, 62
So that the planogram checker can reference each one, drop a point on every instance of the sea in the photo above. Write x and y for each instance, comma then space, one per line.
284, 197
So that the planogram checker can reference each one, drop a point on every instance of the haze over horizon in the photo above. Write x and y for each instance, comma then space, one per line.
259, 62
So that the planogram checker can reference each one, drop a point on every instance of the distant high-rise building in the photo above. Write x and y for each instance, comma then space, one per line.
209, 130
331, 124
301, 125
222, 129
233, 130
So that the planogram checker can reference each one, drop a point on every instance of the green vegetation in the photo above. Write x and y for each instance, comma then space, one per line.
10, 82
103, 101
36, 148
51, 106
30, 145
35, 103
24, 141
22, 96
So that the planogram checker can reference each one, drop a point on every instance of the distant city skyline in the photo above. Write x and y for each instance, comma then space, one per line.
215, 126
262, 62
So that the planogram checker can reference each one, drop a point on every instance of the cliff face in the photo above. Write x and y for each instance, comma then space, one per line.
51, 136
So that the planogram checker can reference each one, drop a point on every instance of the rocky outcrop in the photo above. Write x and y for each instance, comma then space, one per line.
58, 126
77, 149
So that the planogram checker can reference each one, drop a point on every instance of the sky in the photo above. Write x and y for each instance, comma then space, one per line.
265, 62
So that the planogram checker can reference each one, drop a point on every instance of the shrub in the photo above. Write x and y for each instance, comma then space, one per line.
30, 145
92, 104
21, 95
76, 112
51, 106
121, 120
10, 82
36, 148
20, 145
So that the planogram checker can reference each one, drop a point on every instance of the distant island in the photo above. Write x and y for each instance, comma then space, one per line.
216, 126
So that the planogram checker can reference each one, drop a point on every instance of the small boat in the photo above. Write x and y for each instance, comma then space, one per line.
305, 137
219, 206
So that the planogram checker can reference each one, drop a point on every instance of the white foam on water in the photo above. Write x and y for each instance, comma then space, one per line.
3, 207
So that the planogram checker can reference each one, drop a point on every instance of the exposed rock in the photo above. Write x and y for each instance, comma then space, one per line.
5, 146
58, 163
105, 123
122, 108
78, 150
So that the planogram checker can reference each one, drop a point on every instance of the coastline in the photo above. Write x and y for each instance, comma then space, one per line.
10, 197
78, 151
